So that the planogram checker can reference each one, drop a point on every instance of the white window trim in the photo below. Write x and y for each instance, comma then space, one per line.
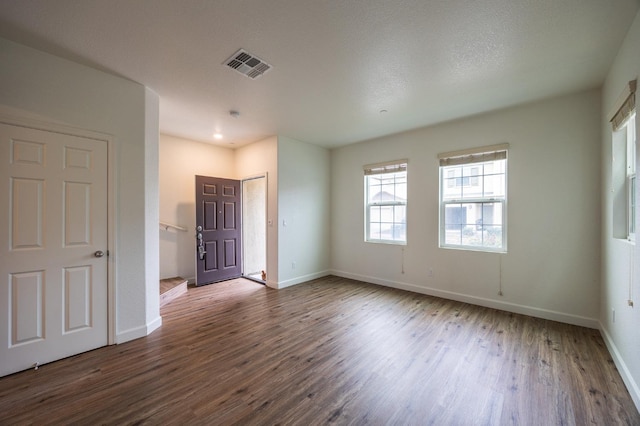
631, 173
466, 157
378, 169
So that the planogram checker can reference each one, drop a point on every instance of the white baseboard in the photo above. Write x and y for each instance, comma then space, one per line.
627, 378
299, 280
154, 325
138, 332
480, 301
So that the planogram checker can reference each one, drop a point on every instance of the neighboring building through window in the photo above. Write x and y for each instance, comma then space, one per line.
473, 199
386, 202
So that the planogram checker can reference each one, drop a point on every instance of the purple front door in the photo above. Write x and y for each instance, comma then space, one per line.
218, 229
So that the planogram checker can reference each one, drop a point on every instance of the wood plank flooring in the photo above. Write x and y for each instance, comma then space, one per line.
331, 351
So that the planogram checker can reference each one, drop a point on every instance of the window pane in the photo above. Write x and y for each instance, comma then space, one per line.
374, 214
492, 236
632, 206
474, 224
452, 188
400, 223
400, 232
494, 186
386, 213
386, 198
478, 223
474, 181
373, 188
374, 231
400, 214
454, 216
453, 234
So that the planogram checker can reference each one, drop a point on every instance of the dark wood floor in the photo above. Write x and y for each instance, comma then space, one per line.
330, 351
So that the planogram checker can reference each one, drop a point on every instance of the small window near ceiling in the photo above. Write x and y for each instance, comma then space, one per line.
473, 199
386, 202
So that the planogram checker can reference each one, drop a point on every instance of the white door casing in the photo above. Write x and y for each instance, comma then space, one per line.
53, 226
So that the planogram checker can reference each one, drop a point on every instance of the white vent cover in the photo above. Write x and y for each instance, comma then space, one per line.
247, 64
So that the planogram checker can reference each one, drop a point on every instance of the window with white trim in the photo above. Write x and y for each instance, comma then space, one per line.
623, 167
386, 202
473, 199
631, 176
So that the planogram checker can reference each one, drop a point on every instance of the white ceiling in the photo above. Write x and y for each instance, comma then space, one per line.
336, 63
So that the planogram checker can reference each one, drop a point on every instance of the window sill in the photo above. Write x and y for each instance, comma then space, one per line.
387, 242
474, 249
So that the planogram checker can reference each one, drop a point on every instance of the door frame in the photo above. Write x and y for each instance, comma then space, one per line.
220, 233
24, 119
266, 217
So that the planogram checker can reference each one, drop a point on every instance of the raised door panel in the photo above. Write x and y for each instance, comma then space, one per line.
26, 307
26, 204
77, 214
78, 288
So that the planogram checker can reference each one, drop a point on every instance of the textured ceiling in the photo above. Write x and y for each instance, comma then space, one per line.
336, 64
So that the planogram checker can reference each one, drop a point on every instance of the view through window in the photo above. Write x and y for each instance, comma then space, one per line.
386, 203
473, 201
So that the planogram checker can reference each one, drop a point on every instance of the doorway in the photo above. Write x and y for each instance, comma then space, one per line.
218, 229
54, 301
254, 228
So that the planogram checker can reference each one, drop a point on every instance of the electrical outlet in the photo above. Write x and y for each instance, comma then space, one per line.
613, 315
293, 265
430, 274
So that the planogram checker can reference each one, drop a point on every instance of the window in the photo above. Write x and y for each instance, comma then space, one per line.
623, 167
386, 202
631, 176
473, 199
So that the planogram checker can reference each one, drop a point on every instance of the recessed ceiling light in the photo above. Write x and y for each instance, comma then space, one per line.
217, 136
382, 111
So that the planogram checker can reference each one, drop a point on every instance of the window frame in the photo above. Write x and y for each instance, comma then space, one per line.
388, 168
630, 129
473, 158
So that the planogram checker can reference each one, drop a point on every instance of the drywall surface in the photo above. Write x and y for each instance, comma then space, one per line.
620, 259
180, 161
551, 269
65, 92
303, 211
261, 158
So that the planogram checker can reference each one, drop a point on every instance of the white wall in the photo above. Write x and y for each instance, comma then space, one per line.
65, 92
257, 159
151, 203
552, 267
298, 185
623, 335
180, 161
303, 211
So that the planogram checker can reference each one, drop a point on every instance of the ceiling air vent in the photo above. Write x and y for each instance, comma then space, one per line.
247, 64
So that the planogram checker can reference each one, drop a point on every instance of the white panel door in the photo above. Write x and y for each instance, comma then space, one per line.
53, 229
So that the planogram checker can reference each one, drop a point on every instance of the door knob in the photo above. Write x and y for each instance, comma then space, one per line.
98, 253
